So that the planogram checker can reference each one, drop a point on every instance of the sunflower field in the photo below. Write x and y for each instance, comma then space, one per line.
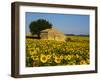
54, 53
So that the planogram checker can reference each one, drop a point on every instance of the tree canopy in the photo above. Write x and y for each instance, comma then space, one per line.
37, 26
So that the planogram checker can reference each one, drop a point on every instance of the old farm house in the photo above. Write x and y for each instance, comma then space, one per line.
52, 34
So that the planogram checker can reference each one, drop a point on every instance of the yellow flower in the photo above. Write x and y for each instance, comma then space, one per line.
43, 58
57, 59
82, 62
33, 52
67, 57
61, 57
37, 49
49, 56
35, 57
77, 56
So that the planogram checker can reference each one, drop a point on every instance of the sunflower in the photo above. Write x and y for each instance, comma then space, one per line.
83, 62
43, 58
57, 60
77, 56
35, 57
33, 52
61, 57
48, 56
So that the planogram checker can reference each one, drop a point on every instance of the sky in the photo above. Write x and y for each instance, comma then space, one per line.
66, 23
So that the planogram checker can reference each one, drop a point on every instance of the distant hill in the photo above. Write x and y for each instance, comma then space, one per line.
77, 35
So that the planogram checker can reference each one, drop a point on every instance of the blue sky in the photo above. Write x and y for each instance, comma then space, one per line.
66, 23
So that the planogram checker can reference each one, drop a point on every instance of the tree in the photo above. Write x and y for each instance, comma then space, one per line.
37, 26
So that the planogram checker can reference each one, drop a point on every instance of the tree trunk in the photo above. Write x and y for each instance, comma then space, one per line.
38, 35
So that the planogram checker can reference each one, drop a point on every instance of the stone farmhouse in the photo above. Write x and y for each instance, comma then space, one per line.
52, 34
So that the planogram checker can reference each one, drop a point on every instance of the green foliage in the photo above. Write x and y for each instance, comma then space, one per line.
38, 25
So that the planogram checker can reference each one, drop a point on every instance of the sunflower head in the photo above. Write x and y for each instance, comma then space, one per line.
43, 58
83, 62
57, 60
35, 57
48, 56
